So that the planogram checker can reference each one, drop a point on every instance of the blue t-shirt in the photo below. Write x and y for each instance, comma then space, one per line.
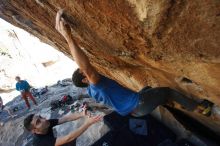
22, 86
109, 92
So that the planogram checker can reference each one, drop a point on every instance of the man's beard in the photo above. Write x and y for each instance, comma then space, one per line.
46, 129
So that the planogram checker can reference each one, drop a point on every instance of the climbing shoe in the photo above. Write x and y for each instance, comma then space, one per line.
205, 108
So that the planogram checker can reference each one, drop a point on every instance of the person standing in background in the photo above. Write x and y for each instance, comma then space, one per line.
24, 87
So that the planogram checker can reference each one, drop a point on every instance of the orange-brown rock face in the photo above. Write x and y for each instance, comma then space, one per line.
137, 42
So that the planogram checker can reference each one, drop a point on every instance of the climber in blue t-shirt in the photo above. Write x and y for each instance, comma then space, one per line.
109, 92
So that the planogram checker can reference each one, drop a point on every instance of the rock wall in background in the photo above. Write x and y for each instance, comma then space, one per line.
137, 42
29, 60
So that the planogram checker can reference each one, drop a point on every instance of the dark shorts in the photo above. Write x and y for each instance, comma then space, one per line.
150, 98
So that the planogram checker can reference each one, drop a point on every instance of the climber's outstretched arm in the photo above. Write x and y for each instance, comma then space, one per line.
78, 55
